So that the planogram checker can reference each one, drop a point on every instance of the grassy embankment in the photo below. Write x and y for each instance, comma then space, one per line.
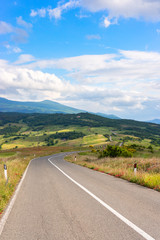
17, 161
148, 169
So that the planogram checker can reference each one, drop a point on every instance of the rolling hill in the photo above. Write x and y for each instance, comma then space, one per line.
35, 107
19, 130
42, 107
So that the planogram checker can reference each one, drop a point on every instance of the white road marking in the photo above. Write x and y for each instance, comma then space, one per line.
9, 208
125, 220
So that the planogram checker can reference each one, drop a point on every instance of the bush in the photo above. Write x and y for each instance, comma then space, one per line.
115, 151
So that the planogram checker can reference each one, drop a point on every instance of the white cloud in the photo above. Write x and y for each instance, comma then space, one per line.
17, 34
23, 23
40, 12
142, 9
125, 83
94, 36
13, 49
82, 15
107, 22
5, 28
158, 31
17, 50
134, 71
25, 58
33, 13
24, 83
7, 46
55, 13
125, 66
146, 9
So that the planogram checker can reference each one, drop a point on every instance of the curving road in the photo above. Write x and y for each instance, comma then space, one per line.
62, 201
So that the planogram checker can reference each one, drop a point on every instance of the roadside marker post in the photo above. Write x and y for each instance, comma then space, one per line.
75, 159
135, 169
5, 173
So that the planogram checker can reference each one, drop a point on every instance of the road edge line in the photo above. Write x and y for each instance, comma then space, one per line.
118, 215
12, 201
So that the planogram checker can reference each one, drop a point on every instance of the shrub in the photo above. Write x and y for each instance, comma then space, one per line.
115, 151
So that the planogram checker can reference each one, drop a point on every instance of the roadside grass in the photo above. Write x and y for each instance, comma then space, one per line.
148, 170
7, 154
15, 169
17, 161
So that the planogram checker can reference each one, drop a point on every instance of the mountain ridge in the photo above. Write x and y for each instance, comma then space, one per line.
45, 106
156, 121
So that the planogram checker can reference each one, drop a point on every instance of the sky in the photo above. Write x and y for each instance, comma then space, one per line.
95, 55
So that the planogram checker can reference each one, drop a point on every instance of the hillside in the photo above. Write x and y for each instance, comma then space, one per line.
111, 116
42, 107
21, 129
35, 107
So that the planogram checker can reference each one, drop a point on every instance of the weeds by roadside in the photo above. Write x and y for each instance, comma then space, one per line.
15, 168
148, 170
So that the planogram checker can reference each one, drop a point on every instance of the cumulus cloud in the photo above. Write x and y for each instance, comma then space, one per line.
111, 83
23, 80
24, 83
127, 79
123, 67
146, 9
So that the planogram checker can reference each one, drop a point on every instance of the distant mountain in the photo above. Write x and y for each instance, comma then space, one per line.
35, 107
157, 121
42, 107
111, 116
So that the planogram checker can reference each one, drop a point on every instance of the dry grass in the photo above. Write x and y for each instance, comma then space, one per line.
15, 168
148, 170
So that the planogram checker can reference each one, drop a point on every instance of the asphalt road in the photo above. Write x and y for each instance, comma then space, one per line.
62, 201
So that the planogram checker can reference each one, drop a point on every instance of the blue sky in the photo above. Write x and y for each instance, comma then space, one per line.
95, 55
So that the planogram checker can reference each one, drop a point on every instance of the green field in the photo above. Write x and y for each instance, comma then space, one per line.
30, 137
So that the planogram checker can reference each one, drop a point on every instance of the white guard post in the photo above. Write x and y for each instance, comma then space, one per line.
135, 169
5, 172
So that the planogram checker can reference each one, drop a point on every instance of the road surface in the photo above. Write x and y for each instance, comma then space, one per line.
63, 201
